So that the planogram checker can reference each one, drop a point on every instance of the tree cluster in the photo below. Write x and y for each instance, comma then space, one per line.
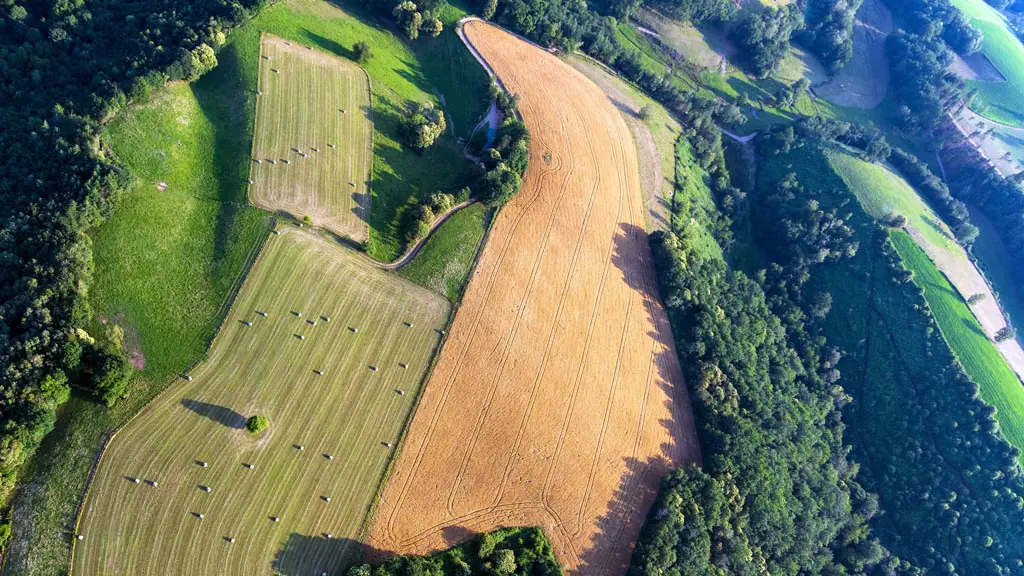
949, 486
763, 37
505, 552
421, 219
498, 177
697, 12
829, 31
937, 19
423, 125
67, 65
926, 88
412, 20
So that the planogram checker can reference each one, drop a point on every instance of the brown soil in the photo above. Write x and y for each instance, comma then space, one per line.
558, 400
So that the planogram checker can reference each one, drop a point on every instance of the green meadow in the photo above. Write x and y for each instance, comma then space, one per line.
1000, 101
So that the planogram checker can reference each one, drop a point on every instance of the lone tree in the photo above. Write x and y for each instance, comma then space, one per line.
257, 424
423, 125
1005, 333
362, 52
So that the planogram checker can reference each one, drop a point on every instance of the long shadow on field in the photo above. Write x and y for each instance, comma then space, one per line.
328, 45
608, 550
220, 414
306, 555
226, 101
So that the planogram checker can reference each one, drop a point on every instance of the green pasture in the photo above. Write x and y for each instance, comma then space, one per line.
445, 260
1000, 386
313, 142
882, 192
1000, 101
335, 364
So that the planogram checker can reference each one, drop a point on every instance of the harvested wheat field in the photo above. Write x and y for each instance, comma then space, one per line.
313, 143
558, 399
185, 488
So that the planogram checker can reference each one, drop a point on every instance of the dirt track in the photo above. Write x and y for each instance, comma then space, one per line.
558, 399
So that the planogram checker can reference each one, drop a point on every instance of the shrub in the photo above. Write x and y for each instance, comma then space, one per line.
107, 373
362, 52
257, 424
975, 298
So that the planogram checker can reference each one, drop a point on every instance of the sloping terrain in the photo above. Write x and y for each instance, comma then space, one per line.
558, 399
174, 487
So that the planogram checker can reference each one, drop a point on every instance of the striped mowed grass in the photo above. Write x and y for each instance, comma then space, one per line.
343, 419
313, 141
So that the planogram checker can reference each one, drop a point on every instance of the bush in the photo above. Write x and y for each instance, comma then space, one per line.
424, 125
257, 424
107, 372
362, 52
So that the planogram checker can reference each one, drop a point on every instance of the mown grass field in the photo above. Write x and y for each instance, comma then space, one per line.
980, 358
445, 260
167, 261
883, 192
342, 420
1002, 101
313, 141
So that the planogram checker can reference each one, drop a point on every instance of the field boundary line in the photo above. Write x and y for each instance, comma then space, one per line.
109, 436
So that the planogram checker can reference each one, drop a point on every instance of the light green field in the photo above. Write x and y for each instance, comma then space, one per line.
980, 358
313, 142
1002, 101
445, 260
883, 192
349, 413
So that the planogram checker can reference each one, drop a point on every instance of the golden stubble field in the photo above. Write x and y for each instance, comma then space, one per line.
558, 399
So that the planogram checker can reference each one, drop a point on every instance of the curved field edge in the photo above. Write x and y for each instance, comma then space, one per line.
503, 280
292, 412
1000, 387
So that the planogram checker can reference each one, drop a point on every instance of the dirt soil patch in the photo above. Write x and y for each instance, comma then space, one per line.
558, 400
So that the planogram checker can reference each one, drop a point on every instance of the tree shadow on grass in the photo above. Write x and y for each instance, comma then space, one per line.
303, 555
328, 45
220, 414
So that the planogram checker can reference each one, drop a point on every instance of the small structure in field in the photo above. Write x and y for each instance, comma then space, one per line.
201, 463
374, 368
328, 535
326, 318
328, 456
188, 378
201, 515
286, 161
264, 314
246, 322
300, 447
387, 444
80, 537
326, 499
318, 372
204, 488
275, 519
249, 466
400, 392
311, 322
258, 93
275, 70
266, 57
272, 161
250, 181
403, 365
277, 232
315, 149
134, 480
354, 330
258, 161
231, 540
330, 145
408, 324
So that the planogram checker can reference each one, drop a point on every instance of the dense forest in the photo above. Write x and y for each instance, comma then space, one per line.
949, 486
776, 492
66, 66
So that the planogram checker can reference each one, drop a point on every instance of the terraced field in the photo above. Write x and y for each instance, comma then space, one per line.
148, 509
558, 400
313, 143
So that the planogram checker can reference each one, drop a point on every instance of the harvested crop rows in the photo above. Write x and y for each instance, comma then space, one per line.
312, 148
349, 412
558, 399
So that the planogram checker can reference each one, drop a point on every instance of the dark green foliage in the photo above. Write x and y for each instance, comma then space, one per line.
66, 66
423, 125
499, 176
1005, 333
503, 552
257, 424
763, 37
107, 372
934, 18
829, 31
361, 51
930, 448
698, 12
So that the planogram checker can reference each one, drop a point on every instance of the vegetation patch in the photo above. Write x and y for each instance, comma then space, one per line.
327, 347
313, 141
444, 261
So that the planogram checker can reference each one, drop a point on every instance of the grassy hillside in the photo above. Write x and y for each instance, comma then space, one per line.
882, 192
695, 211
168, 259
445, 260
983, 363
1003, 101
